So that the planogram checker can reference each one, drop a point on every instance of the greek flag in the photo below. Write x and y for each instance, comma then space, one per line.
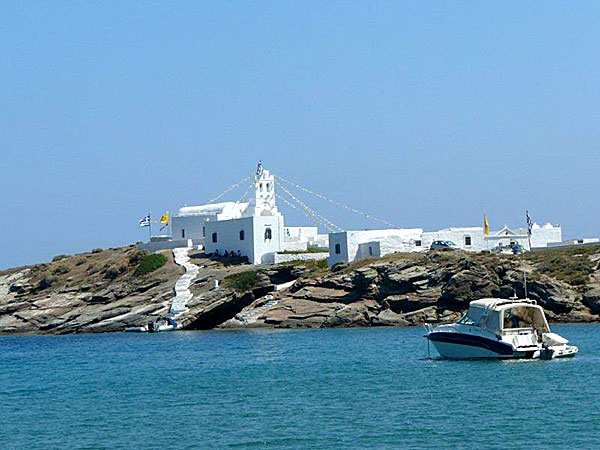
259, 169
145, 222
529, 223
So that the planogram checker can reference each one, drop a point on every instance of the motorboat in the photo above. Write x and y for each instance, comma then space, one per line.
500, 328
155, 325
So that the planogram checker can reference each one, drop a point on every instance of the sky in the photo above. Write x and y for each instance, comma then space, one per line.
425, 114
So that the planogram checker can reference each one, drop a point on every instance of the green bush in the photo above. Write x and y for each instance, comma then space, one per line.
150, 263
60, 270
136, 257
96, 250
46, 281
243, 281
114, 271
59, 257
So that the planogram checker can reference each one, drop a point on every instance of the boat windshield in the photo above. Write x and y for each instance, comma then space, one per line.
466, 320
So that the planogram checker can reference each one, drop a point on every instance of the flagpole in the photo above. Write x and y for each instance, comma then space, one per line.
150, 227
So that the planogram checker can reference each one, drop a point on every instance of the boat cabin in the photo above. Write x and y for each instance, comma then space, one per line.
506, 317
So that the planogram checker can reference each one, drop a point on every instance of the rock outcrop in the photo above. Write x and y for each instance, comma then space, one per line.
97, 292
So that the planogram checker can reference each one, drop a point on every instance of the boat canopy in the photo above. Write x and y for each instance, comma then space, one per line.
501, 315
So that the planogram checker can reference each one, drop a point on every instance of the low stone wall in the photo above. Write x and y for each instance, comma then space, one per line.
164, 245
294, 246
287, 257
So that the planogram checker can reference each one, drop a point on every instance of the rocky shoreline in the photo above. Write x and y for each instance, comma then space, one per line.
99, 291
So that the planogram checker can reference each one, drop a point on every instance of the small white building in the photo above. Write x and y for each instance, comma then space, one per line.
189, 221
347, 246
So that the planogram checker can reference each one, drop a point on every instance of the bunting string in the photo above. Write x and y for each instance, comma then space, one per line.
349, 208
245, 194
330, 225
310, 217
229, 189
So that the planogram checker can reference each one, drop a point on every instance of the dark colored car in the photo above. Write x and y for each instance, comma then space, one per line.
518, 249
443, 245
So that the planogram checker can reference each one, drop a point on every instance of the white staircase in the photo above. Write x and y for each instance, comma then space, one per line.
253, 314
182, 286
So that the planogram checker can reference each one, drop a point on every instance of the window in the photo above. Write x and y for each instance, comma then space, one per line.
267, 186
418, 243
268, 234
242, 235
338, 250
203, 231
214, 237
466, 320
467, 240
183, 233
370, 251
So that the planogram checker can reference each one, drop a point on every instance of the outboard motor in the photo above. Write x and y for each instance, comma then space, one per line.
546, 352
151, 327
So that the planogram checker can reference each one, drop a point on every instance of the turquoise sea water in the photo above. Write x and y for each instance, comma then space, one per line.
333, 388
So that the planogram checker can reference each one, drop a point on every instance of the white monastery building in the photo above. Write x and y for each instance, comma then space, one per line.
256, 229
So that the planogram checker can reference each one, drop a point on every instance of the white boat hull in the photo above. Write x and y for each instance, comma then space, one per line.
456, 350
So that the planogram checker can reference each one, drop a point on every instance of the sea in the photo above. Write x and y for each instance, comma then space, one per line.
310, 389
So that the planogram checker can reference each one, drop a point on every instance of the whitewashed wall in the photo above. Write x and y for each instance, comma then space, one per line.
191, 224
300, 233
295, 246
457, 235
163, 245
390, 241
228, 237
264, 249
283, 257
542, 236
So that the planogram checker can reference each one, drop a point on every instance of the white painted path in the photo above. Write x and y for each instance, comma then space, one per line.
252, 315
182, 286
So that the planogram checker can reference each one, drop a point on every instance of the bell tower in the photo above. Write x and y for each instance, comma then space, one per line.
263, 202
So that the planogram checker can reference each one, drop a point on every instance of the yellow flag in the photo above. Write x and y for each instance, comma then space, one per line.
486, 226
165, 218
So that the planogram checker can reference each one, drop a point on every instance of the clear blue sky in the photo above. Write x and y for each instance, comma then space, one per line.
424, 113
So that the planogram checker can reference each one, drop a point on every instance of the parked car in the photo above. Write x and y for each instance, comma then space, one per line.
502, 250
443, 245
518, 249
512, 249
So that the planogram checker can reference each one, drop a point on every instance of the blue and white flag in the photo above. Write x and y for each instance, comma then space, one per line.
259, 169
145, 222
529, 223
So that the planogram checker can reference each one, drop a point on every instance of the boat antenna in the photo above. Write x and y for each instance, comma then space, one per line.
524, 276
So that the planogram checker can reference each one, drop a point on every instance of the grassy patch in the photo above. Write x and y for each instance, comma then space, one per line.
150, 263
243, 281
313, 263
61, 269
571, 265
314, 267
